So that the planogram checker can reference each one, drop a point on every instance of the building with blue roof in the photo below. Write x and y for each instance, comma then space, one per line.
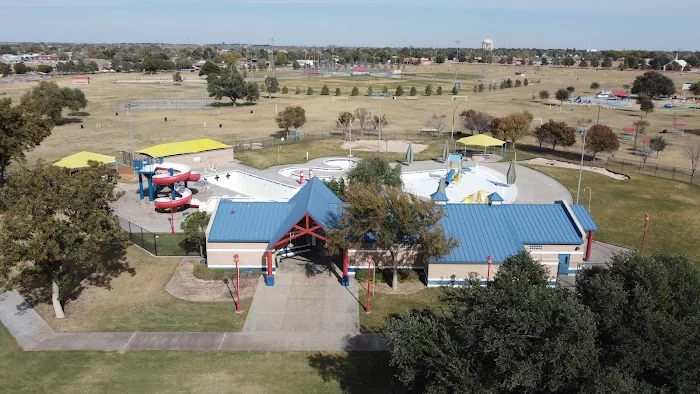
261, 233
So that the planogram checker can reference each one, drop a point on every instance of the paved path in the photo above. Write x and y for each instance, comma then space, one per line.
33, 334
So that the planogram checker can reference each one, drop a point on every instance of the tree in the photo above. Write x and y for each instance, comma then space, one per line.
518, 83
544, 95
281, 58
569, 61
5, 69
646, 311
437, 122
438, 91
526, 82
21, 68
325, 91
369, 90
601, 138
385, 91
401, 224
42, 68
595, 63
511, 127
252, 93
337, 91
607, 63
49, 100
562, 95
480, 88
692, 152
439, 59
640, 129
379, 124
345, 120
363, 117
455, 91
645, 103
595, 86
355, 91
295, 65
228, 83
210, 68
476, 121
68, 236
271, 86
297, 90
294, 116
428, 90
377, 171
653, 84
399, 91
20, 131
694, 88
337, 186
658, 144
413, 91
555, 133
177, 78
583, 63
195, 227
309, 91
571, 89
515, 335
285, 90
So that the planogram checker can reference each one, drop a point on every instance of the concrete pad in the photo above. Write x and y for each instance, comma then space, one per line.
271, 305
304, 305
22, 321
302, 322
176, 341
283, 279
303, 280
334, 305
104, 341
264, 322
335, 322
307, 292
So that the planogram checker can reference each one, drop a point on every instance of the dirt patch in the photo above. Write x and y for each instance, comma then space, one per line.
395, 146
404, 288
561, 164
186, 286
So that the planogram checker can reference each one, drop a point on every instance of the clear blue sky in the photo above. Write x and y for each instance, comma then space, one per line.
601, 24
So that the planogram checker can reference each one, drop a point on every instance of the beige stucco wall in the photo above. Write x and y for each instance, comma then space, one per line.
549, 254
460, 271
250, 255
406, 258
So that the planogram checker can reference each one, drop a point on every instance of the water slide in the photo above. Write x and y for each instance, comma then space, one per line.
180, 173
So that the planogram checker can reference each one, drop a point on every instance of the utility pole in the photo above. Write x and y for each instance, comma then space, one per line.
272, 55
455, 83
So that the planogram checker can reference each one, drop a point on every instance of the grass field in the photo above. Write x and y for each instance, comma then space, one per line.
150, 128
386, 305
618, 208
182, 372
139, 302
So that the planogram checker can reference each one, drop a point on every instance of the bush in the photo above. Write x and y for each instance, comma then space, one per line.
309, 91
298, 91
399, 90
438, 91
204, 273
455, 91
337, 91
413, 91
285, 90
355, 91
361, 275
325, 91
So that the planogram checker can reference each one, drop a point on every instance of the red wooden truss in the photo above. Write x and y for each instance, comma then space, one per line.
307, 225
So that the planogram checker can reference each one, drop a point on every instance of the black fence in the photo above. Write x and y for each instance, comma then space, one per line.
158, 244
680, 174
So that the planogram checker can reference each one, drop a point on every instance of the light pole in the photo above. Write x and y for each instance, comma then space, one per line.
580, 170
644, 234
590, 194
238, 288
131, 131
379, 134
272, 55
455, 83
454, 112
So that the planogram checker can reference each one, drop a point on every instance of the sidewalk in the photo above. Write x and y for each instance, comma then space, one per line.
33, 334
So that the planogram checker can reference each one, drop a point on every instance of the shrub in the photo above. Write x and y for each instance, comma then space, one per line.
413, 91
438, 91
298, 91
204, 273
361, 275
405, 275
309, 91
455, 91
285, 90
399, 90
355, 91
325, 91
337, 91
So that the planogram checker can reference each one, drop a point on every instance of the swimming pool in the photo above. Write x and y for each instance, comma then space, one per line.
333, 168
252, 186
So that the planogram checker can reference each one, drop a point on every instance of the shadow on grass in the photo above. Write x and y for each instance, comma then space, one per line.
65, 121
219, 104
356, 371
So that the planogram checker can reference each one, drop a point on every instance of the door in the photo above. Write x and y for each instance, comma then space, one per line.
564, 260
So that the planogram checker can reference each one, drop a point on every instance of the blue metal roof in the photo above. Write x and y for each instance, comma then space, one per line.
500, 231
584, 218
495, 197
237, 221
439, 196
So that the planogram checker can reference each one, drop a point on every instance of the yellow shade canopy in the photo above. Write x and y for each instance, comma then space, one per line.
81, 159
480, 140
183, 147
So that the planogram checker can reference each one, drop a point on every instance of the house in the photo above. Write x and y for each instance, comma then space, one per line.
262, 233
359, 70
305, 63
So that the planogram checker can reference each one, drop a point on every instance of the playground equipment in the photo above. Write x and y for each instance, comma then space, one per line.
480, 197
158, 175
454, 168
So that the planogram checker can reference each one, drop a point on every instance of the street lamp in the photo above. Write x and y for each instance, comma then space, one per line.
238, 288
455, 83
644, 234
590, 194
379, 134
580, 170
131, 130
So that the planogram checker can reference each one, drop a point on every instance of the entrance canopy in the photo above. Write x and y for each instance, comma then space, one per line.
480, 140
81, 159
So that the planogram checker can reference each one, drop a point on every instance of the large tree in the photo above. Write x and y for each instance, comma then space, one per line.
437, 122
375, 170
640, 126
544, 95
49, 100
695, 88
476, 121
647, 314
601, 138
294, 116
20, 132
5, 69
692, 153
59, 232
511, 127
252, 92
400, 224
515, 335
271, 86
653, 84
646, 104
555, 133
195, 227
228, 83
345, 120
562, 95
210, 68
363, 117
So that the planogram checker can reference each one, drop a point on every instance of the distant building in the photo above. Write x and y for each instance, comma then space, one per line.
81, 80
359, 70
306, 63
680, 62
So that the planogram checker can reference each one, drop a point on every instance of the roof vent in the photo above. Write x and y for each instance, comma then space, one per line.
233, 211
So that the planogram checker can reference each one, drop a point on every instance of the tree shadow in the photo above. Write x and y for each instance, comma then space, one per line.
79, 113
356, 371
218, 104
65, 121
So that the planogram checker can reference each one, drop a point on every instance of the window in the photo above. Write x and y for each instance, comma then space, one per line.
535, 247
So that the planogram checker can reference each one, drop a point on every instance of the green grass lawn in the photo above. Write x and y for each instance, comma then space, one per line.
386, 305
619, 207
212, 372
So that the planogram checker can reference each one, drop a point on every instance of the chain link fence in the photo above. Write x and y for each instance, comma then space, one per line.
680, 174
158, 244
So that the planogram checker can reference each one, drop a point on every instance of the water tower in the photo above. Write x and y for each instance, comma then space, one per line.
487, 46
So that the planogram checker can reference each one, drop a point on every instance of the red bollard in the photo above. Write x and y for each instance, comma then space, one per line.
301, 177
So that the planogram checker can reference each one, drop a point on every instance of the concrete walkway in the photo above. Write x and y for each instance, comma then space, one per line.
33, 334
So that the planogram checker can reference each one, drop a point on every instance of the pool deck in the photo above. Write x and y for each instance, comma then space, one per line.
533, 187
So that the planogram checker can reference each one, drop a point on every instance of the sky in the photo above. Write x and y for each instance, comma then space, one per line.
599, 24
